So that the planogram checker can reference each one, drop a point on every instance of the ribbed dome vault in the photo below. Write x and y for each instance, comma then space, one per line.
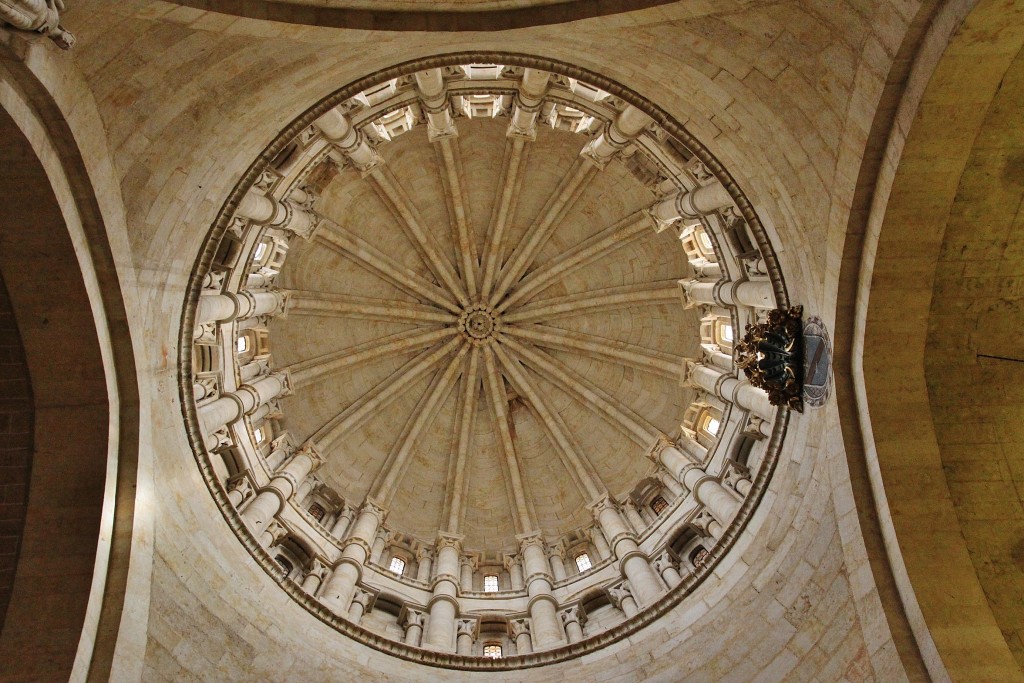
555, 332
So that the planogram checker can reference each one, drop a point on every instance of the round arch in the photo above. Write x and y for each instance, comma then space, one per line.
901, 331
69, 587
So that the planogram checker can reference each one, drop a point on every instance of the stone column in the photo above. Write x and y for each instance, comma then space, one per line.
623, 599
280, 450
228, 306
380, 544
633, 563
285, 483
515, 572
254, 370
528, 100
722, 504
423, 556
604, 551
443, 606
352, 143
728, 388
434, 100
467, 627
339, 588
360, 601
556, 556
693, 204
315, 576
673, 459
633, 515
467, 566
671, 483
617, 134
286, 215
343, 521
754, 293
519, 630
273, 532
547, 628
413, 627
572, 620
667, 566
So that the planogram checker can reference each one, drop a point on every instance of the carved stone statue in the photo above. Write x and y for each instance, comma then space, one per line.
771, 356
42, 16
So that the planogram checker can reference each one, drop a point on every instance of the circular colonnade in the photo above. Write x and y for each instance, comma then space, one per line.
480, 341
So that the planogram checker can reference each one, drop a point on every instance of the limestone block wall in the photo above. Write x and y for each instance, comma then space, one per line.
783, 94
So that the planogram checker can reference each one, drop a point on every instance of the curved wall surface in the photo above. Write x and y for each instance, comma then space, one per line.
785, 95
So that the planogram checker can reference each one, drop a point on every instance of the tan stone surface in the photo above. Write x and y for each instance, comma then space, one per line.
784, 94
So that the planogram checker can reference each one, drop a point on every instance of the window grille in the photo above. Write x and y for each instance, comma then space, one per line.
583, 562
659, 504
491, 583
397, 565
492, 650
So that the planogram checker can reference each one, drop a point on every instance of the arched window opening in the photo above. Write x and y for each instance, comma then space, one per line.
243, 344
397, 566
261, 251
491, 583
259, 435
583, 562
659, 505
710, 424
492, 650
286, 565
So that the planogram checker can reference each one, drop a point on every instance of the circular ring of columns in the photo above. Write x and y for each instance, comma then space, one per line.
226, 401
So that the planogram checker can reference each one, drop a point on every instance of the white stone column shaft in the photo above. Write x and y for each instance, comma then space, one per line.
694, 203
339, 588
633, 562
722, 504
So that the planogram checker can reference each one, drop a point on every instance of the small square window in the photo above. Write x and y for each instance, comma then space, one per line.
317, 512
492, 650
712, 425
659, 504
261, 249
726, 331
259, 435
243, 344
491, 584
397, 565
583, 562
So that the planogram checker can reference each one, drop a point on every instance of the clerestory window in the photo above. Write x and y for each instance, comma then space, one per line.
583, 562
397, 565
492, 650
491, 583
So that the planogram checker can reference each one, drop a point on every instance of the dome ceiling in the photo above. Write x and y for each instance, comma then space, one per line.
579, 370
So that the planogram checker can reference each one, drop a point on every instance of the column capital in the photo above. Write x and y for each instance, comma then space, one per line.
508, 561
467, 627
517, 627
424, 552
620, 592
311, 451
448, 540
653, 453
530, 538
603, 504
410, 617
364, 598
374, 508
571, 614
